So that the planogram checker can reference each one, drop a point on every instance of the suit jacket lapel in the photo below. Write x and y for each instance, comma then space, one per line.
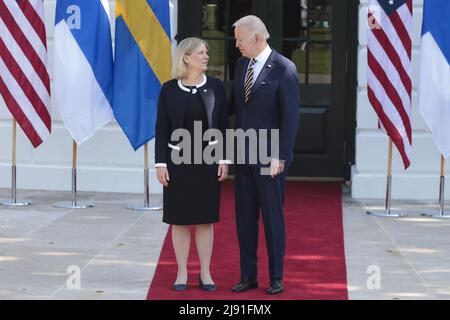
241, 79
268, 66
180, 104
209, 99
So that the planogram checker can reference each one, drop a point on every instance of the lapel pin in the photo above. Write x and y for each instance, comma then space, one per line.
205, 90
269, 66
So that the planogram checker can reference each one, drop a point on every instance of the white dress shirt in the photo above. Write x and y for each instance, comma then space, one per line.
261, 60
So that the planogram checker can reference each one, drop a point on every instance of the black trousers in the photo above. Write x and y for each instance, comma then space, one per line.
257, 193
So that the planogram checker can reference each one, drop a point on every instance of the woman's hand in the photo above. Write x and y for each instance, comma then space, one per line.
163, 176
222, 171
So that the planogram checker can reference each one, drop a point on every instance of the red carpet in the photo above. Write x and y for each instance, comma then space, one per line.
314, 261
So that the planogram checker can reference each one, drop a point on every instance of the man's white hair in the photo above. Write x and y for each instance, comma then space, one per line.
254, 25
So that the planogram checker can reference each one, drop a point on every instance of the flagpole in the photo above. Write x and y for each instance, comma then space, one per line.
146, 178
74, 204
146, 206
14, 167
441, 213
14, 202
387, 212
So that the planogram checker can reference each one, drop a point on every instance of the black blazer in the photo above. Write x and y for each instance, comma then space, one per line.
171, 108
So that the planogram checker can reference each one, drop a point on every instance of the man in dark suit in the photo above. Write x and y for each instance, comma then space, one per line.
265, 95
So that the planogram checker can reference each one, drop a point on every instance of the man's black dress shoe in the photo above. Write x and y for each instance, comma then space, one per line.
276, 286
245, 285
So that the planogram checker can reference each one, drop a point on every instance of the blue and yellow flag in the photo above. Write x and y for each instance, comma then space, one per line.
143, 61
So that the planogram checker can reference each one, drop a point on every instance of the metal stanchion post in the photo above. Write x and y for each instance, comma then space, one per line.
387, 212
14, 202
146, 205
74, 204
441, 213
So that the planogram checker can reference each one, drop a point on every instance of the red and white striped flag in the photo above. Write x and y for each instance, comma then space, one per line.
389, 72
24, 79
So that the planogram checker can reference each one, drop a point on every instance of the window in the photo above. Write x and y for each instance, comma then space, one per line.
307, 38
218, 17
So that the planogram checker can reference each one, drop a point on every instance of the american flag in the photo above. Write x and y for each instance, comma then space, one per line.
389, 73
24, 79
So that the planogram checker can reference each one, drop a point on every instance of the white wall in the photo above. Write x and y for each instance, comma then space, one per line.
421, 180
105, 163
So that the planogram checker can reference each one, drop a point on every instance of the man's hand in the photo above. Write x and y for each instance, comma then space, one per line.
222, 171
276, 167
163, 176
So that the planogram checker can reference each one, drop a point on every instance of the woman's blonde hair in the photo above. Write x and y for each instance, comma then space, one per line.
185, 47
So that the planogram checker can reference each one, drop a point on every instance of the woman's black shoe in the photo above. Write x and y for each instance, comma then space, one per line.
206, 287
179, 287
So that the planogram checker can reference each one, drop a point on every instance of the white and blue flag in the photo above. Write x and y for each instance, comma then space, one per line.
435, 72
83, 66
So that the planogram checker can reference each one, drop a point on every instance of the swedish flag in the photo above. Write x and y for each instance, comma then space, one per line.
143, 60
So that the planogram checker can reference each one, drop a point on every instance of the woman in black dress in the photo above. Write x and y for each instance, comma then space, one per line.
191, 189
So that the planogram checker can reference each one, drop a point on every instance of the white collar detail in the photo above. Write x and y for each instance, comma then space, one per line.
193, 91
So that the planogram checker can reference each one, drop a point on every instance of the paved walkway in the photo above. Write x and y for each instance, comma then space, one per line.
115, 250
412, 254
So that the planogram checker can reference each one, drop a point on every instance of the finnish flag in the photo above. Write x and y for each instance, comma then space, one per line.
435, 72
83, 66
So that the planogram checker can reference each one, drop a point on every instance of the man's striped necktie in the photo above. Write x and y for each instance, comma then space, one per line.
249, 79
